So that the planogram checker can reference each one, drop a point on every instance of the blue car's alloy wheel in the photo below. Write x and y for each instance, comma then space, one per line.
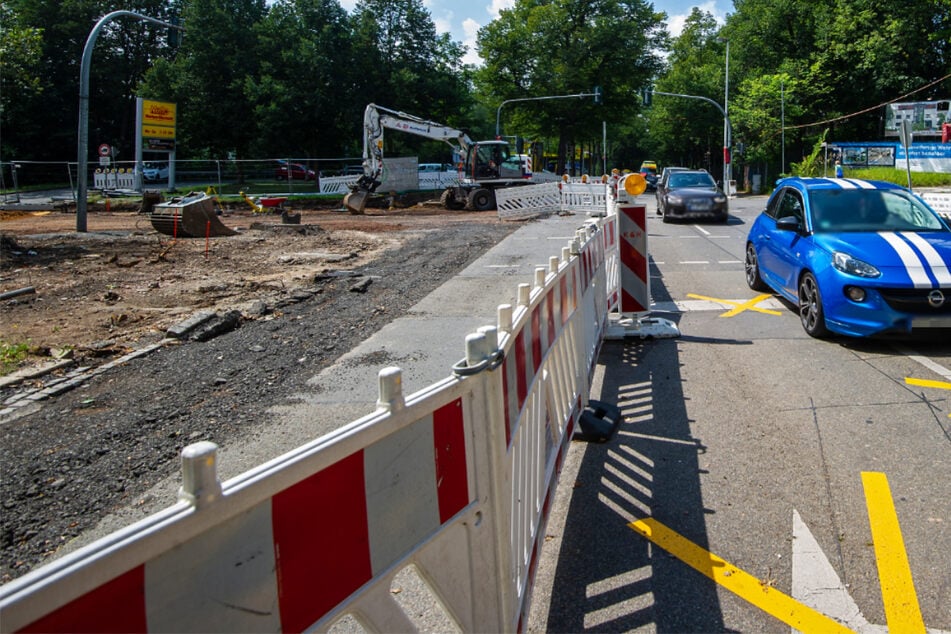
753, 279
810, 307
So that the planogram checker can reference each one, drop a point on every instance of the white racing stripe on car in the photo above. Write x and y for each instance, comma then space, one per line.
938, 266
913, 264
860, 183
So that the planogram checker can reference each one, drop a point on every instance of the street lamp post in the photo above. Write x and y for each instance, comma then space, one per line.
727, 159
83, 134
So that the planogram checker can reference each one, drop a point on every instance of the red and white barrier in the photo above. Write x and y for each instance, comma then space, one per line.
451, 486
634, 286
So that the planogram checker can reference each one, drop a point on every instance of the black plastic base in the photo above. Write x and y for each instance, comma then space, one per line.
598, 422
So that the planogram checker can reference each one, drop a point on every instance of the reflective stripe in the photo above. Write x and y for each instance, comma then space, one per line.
938, 266
913, 264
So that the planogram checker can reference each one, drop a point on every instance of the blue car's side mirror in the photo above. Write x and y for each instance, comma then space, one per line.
788, 223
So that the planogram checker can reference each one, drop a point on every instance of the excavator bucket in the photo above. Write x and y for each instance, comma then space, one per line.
190, 216
356, 201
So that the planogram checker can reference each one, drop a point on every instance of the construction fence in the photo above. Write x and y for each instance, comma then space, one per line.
444, 493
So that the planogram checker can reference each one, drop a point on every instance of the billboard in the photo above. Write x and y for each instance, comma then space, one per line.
926, 117
158, 125
922, 157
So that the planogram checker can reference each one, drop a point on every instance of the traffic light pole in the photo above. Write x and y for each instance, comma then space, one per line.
727, 133
498, 113
82, 177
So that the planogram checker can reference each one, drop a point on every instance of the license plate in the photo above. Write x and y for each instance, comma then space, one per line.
931, 322
699, 205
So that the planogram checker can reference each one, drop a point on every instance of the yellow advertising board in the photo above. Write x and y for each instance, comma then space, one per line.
158, 125
158, 113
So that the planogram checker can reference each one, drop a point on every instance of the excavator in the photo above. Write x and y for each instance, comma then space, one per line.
484, 166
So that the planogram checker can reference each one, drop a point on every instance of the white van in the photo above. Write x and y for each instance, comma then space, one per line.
433, 167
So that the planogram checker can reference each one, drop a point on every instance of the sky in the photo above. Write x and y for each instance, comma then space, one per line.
462, 19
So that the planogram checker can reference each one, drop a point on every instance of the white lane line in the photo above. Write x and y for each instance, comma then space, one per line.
935, 367
694, 262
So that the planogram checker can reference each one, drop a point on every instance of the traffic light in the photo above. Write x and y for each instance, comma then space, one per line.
174, 33
598, 95
647, 95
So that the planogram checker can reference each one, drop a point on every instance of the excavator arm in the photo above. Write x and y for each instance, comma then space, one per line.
375, 119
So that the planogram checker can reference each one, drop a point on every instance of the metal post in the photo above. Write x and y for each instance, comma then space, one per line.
82, 182
782, 126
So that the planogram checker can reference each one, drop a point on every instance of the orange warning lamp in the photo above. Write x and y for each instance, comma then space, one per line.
635, 184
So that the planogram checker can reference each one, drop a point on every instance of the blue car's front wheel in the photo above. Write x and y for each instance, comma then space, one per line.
810, 307
753, 279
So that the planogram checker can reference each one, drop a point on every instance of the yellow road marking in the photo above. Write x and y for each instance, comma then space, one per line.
902, 612
746, 586
740, 306
941, 385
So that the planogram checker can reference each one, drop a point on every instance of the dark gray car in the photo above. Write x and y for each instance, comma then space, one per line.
691, 194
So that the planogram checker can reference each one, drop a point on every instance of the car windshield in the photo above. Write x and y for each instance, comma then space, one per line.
838, 210
689, 179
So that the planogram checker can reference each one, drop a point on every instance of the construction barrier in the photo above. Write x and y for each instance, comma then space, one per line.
444, 495
114, 179
531, 201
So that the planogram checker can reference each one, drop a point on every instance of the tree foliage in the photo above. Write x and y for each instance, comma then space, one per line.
540, 49
290, 78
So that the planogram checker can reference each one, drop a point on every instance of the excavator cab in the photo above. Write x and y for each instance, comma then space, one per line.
491, 161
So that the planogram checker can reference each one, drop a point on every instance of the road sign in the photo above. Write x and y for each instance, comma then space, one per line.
105, 150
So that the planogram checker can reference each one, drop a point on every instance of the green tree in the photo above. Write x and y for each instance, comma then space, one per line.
298, 98
21, 79
403, 64
685, 131
562, 47
208, 76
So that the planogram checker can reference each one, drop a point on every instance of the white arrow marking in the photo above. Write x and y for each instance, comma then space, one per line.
816, 584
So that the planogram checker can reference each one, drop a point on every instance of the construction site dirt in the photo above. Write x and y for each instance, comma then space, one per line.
285, 299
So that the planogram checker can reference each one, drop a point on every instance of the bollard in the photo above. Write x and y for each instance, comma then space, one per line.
476, 349
505, 318
391, 389
540, 278
524, 294
200, 485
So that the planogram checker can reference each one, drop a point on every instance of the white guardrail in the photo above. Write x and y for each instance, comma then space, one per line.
449, 487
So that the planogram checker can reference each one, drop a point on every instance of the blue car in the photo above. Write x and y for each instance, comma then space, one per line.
859, 258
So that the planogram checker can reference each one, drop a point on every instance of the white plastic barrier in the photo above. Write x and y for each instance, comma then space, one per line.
528, 201
113, 179
451, 487
586, 197
438, 180
940, 202
337, 184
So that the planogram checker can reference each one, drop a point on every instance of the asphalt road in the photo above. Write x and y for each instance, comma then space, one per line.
754, 445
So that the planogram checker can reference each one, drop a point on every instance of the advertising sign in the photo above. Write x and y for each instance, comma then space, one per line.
158, 125
925, 117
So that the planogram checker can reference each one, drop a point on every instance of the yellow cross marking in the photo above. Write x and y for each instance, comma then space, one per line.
761, 594
898, 590
941, 385
740, 306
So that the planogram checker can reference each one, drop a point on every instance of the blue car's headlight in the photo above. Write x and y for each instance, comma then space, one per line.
719, 199
853, 266
674, 200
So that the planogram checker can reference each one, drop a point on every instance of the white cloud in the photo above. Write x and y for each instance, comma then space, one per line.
470, 29
675, 23
497, 5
